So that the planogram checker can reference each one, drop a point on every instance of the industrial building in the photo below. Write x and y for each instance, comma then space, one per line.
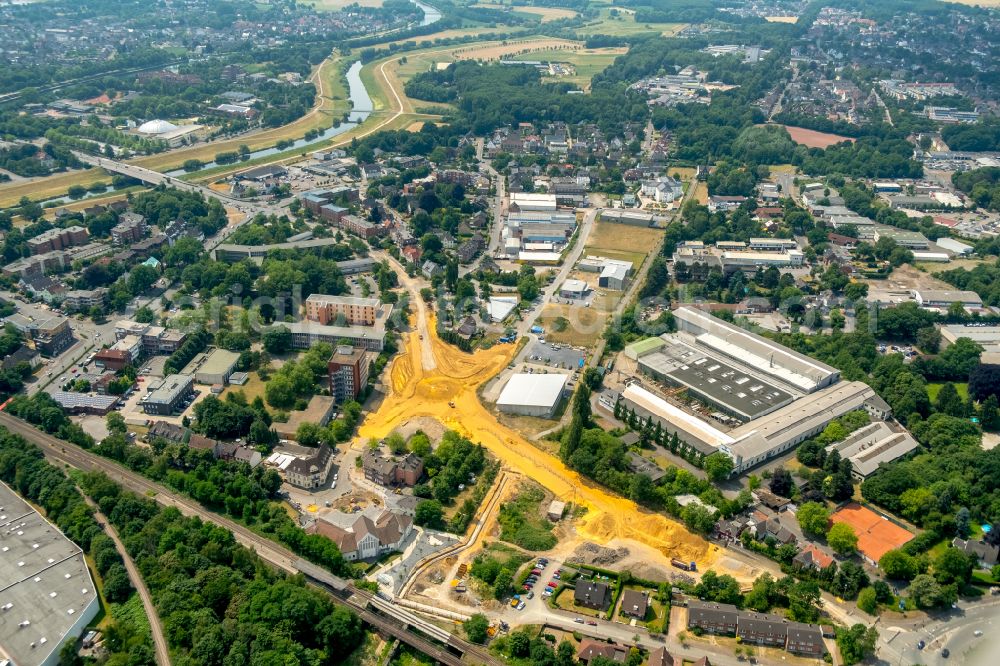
755, 351
871, 446
532, 394
731, 257
525, 201
166, 395
943, 298
762, 397
988, 337
48, 596
212, 367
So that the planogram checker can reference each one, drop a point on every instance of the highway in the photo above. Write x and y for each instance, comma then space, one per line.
386, 618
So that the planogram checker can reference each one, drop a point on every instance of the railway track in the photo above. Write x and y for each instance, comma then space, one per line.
381, 615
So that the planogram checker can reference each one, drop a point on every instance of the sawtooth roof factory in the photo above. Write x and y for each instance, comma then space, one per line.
750, 397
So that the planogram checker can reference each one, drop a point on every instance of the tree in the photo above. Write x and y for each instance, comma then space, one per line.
476, 628
868, 600
117, 586
989, 414
857, 643
277, 339
503, 584
842, 539
814, 518
929, 339
718, 466
781, 483
116, 423
925, 591
899, 565
141, 278
984, 381
949, 402
429, 513
953, 566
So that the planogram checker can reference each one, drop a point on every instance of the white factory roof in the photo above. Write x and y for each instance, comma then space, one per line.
574, 286
533, 390
540, 257
754, 351
949, 296
688, 422
46, 590
500, 306
953, 245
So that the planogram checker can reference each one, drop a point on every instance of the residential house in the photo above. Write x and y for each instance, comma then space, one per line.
986, 554
168, 431
388, 470
592, 594
590, 649
430, 269
762, 629
811, 557
712, 617
635, 603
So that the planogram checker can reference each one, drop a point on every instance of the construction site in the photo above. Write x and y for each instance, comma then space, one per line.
429, 379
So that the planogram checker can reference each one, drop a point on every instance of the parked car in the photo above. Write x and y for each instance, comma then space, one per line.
579, 620
552, 585
520, 606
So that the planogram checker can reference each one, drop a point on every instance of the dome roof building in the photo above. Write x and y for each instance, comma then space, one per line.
157, 127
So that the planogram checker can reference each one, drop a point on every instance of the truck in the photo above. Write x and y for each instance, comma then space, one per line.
686, 566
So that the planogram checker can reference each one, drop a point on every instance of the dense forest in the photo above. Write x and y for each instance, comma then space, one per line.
218, 602
982, 186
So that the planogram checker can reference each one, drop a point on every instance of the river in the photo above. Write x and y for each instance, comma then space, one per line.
361, 107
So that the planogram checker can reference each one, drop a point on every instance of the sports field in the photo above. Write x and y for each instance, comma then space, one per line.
547, 13
624, 24
337, 5
587, 62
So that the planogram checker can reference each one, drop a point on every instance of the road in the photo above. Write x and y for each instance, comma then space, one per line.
955, 630
397, 624
155, 625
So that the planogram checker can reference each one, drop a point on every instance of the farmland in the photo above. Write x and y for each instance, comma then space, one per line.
624, 25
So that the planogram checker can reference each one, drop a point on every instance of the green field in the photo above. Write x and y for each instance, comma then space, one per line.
934, 388
587, 62
624, 25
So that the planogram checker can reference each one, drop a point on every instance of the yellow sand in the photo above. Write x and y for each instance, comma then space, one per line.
418, 393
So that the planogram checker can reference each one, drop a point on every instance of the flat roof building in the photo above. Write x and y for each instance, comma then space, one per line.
47, 595
212, 367
372, 338
532, 394
165, 396
342, 309
943, 298
988, 337
348, 370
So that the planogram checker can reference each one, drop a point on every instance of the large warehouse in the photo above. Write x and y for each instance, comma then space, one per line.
532, 394
763, 397
48, 595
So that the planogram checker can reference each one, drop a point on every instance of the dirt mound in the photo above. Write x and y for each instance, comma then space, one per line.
591, 553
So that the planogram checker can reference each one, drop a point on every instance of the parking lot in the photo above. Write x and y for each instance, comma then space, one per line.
555, 356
